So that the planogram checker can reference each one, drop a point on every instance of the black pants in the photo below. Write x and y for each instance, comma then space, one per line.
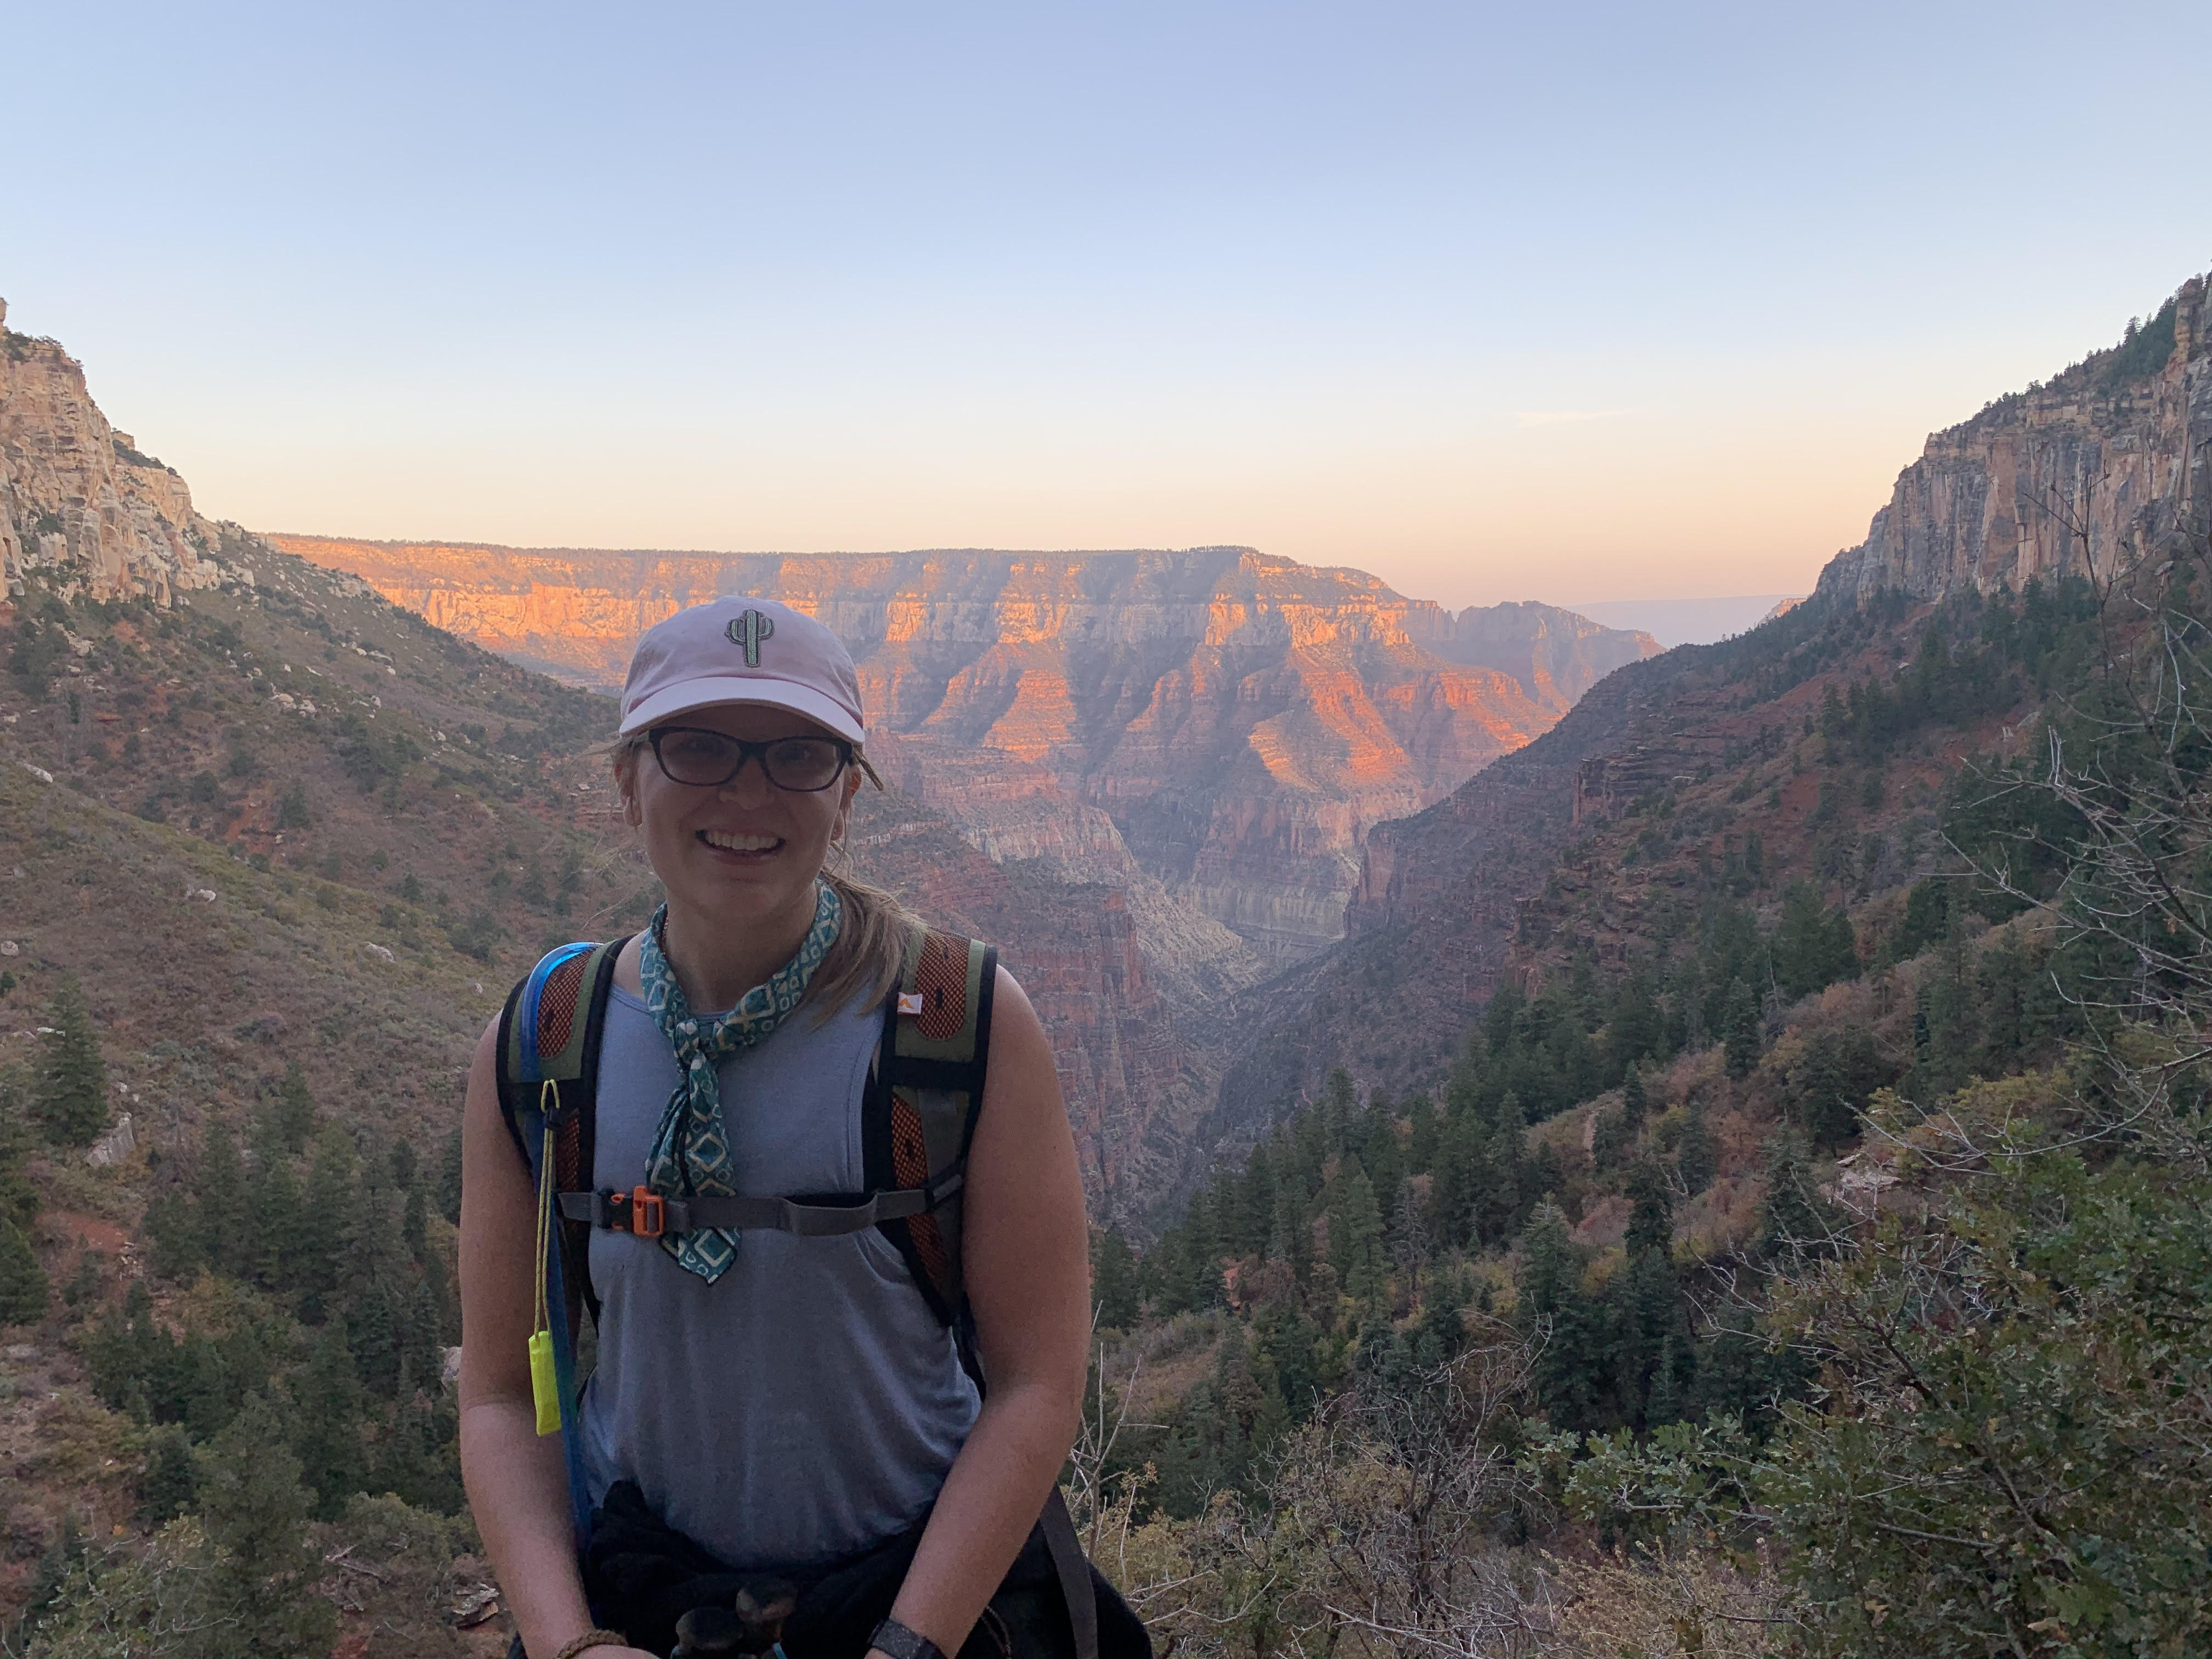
642, 1575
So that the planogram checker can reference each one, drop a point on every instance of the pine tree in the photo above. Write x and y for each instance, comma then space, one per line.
1634, 1029
281, 1221
1830, 1083
1665, 1401
1610, 1138
415, 1224
1647, 1307
1502, 1205
1382, 1152
1543, 1175
1295, 1229
1255, 1196
170, 1487
1650, 1223
449, 1178
260, 1590
327, 1422
1551, 1303
225, 1208
1635, 1103
72, 1099
328, 1209
1340, 1105
1443, 1332
1697, 1160
1740, 1035
1114, 1280
1421, 1137
1409, 1235
377, 1286
23, 1287
19, 1196
1462, 1166
178, 1247
1791, 1227
59, 1559
1355, 1233
291, 1116
1291, 1343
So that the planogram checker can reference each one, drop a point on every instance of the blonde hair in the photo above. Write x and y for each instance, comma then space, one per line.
870, 946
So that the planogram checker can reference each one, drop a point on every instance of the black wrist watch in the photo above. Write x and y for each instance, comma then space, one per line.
896, 1639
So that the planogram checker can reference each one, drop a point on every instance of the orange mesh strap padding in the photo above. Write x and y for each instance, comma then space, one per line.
557, 1005
941, 978
910, 1167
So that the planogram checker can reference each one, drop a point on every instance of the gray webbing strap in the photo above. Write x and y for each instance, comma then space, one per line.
625, 1211
1074, 1570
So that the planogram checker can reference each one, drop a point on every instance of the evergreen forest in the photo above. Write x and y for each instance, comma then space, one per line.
1822, 1266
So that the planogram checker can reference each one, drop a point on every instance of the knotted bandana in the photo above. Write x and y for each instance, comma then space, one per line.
691, 1152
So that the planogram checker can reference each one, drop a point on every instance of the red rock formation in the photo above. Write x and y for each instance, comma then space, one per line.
1228, 723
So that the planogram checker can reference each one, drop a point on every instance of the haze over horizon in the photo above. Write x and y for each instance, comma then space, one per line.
1494, 306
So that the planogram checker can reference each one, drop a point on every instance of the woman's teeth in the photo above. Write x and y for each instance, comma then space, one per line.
734, 843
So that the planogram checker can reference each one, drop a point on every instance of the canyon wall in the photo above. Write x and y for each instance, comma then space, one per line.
1226, 723
78, 498
2101, 462
2106, 461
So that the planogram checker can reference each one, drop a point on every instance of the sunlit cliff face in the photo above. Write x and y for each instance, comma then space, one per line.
95, 512
1238, 720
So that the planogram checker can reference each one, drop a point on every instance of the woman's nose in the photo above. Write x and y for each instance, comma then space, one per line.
750, 787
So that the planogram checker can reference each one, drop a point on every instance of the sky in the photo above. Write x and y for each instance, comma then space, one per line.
1578, 302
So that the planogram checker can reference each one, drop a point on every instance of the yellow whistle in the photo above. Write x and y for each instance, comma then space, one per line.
545, 1385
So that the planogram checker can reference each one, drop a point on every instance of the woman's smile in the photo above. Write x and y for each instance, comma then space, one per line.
735, 847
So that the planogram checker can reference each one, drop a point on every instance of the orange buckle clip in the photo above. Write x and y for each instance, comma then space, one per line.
648, 1213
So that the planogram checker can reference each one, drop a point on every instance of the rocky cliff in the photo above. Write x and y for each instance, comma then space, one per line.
1226, 723
2064, 478
2102, 461
76, 497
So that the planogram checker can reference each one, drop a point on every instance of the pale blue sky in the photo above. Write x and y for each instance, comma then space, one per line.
1570, 303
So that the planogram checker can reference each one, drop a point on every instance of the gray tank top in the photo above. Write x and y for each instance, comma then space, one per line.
808, 1403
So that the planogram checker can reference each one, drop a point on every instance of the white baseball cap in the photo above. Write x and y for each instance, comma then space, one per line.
736, 649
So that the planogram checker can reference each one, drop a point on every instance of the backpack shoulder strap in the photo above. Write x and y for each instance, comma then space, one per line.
547, 1067
549, 1031
925, 1098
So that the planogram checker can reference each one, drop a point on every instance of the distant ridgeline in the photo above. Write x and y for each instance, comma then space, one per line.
1228, 722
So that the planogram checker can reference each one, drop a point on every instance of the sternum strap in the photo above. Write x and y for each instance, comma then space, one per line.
814, 1220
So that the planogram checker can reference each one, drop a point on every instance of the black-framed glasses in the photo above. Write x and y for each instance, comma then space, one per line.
710, 760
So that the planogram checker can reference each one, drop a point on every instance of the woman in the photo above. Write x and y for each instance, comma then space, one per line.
779, 1403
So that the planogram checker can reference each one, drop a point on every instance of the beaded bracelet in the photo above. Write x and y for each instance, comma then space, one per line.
590, 1639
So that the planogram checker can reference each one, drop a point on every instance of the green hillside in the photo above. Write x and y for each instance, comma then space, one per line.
269, 860
1807, 1250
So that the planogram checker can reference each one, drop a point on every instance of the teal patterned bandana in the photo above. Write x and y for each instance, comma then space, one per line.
691, 1150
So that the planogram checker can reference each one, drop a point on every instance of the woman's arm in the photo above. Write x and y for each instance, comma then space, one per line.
1024, 1246
517, 1483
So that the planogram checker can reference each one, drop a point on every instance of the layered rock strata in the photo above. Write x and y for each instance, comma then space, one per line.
2105, 462
1227, 723
2102, 463
78, 498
